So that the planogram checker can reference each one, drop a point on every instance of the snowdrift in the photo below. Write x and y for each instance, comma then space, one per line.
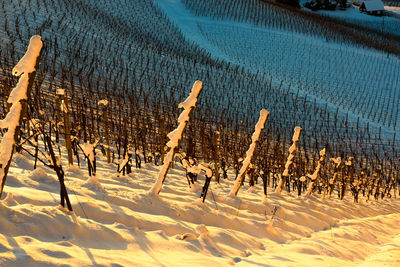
116, 223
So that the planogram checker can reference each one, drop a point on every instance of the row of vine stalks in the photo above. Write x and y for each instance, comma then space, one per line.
131, 128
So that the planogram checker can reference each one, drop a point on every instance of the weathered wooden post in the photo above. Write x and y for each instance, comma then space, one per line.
19, 97
216, 155
6, 92
289, 162
67, 125
106, 129
175, 136
162, 141
337, 161
249, 154
58, 116
314, 176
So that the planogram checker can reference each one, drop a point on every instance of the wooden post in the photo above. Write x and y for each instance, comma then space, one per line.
337, 161
289, 162
105, 114
162, 142
58, 117
215, 155
106, 128
67, 126
314, 176
6, 91
249, 154
23, 67
176, 135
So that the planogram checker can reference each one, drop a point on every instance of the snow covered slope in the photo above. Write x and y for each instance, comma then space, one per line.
362, 82
115, 223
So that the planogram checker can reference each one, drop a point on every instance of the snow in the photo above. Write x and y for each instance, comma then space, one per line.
8, 142
373, 5
20, 90
88, 149
28, 61
191, 100
337, 161
120, 225
12, 117
103, 102
188, 25
60, 91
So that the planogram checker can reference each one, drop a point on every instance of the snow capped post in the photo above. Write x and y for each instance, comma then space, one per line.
175, 136
249, 154
292, 149
314, 176
19, 96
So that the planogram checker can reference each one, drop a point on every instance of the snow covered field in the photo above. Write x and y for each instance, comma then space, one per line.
362, 82
115, 223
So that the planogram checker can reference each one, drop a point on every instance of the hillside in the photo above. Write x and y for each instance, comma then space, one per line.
97, 103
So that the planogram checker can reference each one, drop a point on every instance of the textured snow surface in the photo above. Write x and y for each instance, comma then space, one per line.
188, 25
117, 224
